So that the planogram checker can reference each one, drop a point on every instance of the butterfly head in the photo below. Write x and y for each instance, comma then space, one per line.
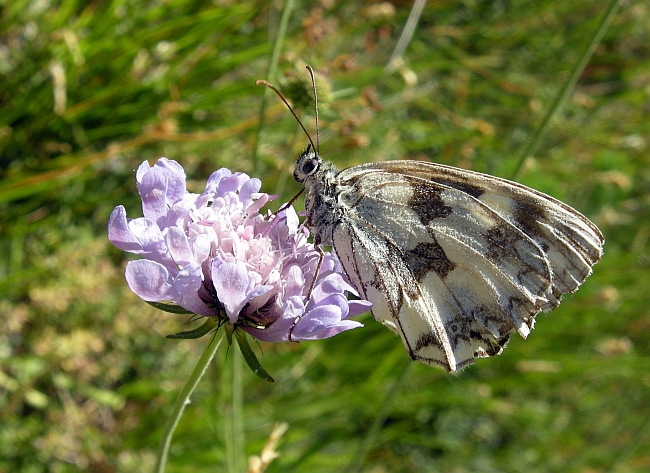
308, 164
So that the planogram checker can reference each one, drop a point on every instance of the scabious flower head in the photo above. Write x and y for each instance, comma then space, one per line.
215, 255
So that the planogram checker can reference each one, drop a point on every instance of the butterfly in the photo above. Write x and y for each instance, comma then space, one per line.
452, 260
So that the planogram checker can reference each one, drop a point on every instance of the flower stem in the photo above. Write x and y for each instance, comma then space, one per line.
182, 401
234, 418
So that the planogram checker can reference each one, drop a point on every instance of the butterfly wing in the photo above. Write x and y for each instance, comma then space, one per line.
454, 260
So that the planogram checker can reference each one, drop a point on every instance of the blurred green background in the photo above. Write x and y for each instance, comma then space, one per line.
88, 90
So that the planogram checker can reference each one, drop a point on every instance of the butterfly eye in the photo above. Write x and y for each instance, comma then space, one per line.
310, 166
306, 166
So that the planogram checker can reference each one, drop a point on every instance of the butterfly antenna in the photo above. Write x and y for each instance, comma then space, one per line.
279, 94
313, 84
315, 148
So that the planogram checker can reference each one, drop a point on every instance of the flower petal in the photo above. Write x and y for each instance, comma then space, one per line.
148, 280
235, 286
200, 245
246, 191
139, 236
294, 281
143, 169
119, 233
175, 179
358, 307
148, 234
179, 247
186, 286
152, 189
232, 183
214, 180
322, 322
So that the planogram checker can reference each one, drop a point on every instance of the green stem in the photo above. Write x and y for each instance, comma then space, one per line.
568, 87
238, 410
232, 401
270, 76
182, 401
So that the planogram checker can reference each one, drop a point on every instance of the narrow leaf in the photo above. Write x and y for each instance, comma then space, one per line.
249, 356
210, 324
172, 308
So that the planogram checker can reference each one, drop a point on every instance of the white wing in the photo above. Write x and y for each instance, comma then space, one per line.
453, 260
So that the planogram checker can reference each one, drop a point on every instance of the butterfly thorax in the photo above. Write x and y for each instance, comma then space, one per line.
323, 206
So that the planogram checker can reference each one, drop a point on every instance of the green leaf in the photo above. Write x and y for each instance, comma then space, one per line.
249, 356
173, 308
212, 323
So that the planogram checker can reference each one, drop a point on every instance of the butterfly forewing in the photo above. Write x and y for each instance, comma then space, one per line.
571, 243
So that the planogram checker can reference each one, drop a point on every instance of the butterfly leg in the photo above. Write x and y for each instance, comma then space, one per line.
321, 255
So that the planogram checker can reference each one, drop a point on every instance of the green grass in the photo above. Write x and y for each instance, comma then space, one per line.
87, 378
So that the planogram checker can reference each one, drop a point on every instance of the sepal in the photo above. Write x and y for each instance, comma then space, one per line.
249, 356
211, 324
172, 308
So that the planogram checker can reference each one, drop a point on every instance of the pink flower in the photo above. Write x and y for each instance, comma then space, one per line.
215, 255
